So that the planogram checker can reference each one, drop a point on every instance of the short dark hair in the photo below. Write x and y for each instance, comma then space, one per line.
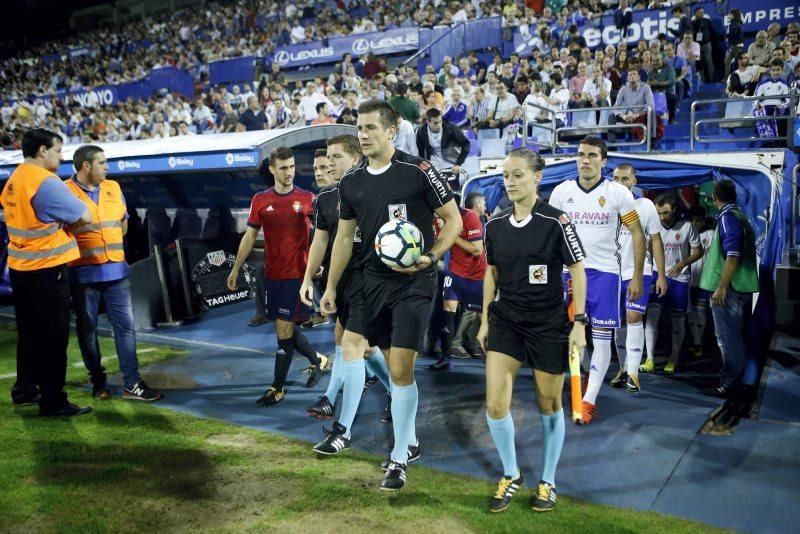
666, 198
472, 199
697, 211
85, 154
725, 191
35, 138
593, 140
320, 153
280, 153
627, 167
321, 105
432, 113
776, 63
401, 89
388, 116
349, 142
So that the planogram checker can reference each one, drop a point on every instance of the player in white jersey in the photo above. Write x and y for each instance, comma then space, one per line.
681, 250
630, 338
699, 296
596, 208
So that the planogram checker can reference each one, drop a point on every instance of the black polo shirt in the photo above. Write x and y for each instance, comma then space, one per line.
326, 217
253, 121
530, 256
409, 188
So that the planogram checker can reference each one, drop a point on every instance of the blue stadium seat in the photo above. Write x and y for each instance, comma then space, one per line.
219, 223
492, 133
493, 148
187, 225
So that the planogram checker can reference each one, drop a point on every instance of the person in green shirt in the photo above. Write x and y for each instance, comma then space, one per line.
404, 106
730, 272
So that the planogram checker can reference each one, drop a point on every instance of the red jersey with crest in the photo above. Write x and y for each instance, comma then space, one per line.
462, 263
286, 220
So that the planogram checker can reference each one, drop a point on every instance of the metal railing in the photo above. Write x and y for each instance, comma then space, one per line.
577, 130
555, 130
795, 209
752, 120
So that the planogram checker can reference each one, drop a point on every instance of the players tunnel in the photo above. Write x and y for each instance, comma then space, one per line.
195, 190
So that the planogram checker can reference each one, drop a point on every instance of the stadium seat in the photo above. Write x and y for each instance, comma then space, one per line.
219, 223
187, 225
471, 166
492, 133
493, 148
158, 227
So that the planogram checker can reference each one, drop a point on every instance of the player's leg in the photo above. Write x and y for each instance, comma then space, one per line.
602, 303
450, 307
654, 308
697, 319
634, 336
620, 339
678, 296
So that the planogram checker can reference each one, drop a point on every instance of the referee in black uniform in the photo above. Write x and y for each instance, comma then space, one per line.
397, 303
527, 247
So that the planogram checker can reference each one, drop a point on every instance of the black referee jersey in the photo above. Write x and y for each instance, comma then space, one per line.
408, 188
530, 255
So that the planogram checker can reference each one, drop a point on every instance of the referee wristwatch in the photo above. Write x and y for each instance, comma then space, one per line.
580, 318
432, 256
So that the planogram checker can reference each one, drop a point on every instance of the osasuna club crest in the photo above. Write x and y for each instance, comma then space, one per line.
297, 206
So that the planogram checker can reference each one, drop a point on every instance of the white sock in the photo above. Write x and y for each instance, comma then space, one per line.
697, 324
620, 340
635, 344
601, 358
651, 330
678, 333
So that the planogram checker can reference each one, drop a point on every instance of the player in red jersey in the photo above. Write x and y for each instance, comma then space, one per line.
284, 211
463, 281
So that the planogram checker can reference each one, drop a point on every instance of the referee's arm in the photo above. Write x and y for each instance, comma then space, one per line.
340, 256
489, 293
577, 336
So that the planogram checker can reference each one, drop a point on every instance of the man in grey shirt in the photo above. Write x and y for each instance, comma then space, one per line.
632, 94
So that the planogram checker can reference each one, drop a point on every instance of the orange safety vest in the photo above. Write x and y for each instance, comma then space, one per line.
33, 244
101, 240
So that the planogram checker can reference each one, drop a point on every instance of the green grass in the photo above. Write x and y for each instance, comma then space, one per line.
134, 467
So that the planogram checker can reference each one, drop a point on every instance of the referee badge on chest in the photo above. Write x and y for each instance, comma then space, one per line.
537, 274
398, 211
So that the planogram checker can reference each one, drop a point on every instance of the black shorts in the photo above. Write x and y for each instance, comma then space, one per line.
398, 310
537, 338
350, 302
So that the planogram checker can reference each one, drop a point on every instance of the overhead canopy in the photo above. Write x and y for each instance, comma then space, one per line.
198, 153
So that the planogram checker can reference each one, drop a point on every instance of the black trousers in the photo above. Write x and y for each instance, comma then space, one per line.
41, 303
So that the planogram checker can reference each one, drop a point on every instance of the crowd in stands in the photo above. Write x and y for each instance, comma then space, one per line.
561, 76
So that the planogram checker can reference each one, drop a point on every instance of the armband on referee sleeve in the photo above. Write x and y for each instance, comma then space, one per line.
629, 218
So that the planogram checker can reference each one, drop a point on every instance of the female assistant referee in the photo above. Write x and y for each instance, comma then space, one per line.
527, 247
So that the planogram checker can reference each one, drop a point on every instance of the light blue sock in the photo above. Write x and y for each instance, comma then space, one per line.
336, 375
553, 440
353, 388
502, 431
404, 411
377, 364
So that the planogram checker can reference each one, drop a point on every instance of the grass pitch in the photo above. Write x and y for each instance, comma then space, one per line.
131, 466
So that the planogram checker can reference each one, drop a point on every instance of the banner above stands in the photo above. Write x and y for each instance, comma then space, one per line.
318, 52
757, 15
238, 69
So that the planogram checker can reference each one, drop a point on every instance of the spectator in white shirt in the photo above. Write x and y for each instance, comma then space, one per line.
308, 103
298, 33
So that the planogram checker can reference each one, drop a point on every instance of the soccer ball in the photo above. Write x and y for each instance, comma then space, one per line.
399, 243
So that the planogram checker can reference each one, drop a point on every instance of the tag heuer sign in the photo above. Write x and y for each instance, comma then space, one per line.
209, 281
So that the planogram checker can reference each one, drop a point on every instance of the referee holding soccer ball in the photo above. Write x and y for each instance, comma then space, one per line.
527, 247
397, 302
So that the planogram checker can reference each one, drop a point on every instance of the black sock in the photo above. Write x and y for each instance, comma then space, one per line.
448, 332
283, 361
304, 347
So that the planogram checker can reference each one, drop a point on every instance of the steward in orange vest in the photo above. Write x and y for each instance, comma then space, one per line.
102, 274
38, 210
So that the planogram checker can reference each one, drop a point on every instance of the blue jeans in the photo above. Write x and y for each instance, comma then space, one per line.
729, 324
117, 297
